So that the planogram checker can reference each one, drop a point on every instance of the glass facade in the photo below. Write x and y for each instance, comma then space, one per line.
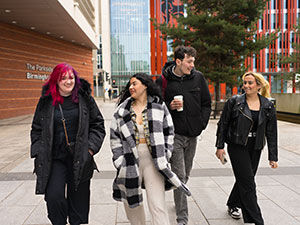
130, 39
279, 84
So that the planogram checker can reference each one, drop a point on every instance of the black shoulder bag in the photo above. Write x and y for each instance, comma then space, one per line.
70, 146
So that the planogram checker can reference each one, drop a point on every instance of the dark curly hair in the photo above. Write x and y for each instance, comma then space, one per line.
152, 88
181, 51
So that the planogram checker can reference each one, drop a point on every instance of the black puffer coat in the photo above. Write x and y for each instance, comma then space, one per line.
236, 122
196, 100
90, 135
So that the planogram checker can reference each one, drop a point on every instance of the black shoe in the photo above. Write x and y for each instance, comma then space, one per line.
234, 212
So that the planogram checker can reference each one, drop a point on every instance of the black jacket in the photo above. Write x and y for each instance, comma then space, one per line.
90, 135
236, 122
196, 100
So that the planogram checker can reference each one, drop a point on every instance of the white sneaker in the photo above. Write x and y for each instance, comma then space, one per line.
234, 212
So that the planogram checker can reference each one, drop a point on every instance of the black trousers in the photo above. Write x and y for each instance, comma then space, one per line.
244, 161
62, 199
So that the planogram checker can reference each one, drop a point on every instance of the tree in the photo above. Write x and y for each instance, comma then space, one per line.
224, 34
293, 60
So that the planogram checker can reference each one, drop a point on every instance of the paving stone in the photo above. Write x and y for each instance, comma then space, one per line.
14, 215
290, 181
196, 216
103, 214
25, 166
201, 182
23, 195
228, 221
39, 214
212, 202
284, 198
8, 187
101, 191
273, 213
265, 181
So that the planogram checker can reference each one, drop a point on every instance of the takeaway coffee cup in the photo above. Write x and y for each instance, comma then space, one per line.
179, 97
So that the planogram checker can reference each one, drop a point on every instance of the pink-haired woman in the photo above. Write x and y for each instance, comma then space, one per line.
67, 130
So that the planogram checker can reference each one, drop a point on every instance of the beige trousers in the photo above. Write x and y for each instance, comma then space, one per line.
155, 190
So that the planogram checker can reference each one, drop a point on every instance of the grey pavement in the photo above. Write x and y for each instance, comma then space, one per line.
210, 182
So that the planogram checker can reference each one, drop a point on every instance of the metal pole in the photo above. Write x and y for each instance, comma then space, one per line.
97, 90
103, 84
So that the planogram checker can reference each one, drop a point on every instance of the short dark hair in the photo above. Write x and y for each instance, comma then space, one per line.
181, 50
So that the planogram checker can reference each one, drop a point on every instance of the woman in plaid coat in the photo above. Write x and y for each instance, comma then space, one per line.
141, 138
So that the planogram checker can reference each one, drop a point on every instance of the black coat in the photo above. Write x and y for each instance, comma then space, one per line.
90, 135
236, 122
196, 100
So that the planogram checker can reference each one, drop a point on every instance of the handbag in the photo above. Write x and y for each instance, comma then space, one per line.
70, 147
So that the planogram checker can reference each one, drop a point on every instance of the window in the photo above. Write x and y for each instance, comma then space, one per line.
260, 24
273, 4
273, 21
279, 40
285, 20
254, 62
130, 39
285, 2
275, 84
292, 39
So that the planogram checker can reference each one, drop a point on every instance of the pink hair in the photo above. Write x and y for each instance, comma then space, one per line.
57, 75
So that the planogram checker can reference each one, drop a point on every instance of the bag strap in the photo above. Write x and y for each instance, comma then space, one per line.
64, 124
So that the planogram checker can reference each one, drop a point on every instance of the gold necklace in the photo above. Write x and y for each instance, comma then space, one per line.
138, 108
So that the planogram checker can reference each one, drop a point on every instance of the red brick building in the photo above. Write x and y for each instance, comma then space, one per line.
35, 36
26, 59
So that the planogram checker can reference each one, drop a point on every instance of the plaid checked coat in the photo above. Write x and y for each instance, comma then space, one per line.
127, 186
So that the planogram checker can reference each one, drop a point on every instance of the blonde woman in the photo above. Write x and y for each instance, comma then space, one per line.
247, 120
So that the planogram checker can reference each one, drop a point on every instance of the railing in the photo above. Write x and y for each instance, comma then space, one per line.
217, 108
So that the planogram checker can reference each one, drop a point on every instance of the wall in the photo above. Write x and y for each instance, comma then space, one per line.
21, 51
105, 35
287, 102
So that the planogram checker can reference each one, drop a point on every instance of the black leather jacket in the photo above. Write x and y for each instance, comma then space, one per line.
236, 122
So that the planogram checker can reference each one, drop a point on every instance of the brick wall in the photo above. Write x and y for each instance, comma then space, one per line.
19, 47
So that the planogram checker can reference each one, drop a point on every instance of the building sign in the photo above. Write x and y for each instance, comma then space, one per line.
37, 72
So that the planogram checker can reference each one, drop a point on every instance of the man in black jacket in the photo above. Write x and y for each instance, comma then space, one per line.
180, 78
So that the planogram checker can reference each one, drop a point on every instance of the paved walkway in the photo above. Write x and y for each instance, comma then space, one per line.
210, 183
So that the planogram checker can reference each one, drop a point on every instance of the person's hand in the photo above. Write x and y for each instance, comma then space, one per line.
273, 164
91, 152
176, 104
220, 153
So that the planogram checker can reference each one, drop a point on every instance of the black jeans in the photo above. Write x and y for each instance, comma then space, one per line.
73, 204
244, 161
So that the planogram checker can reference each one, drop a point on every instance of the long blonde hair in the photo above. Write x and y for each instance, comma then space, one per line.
260, 80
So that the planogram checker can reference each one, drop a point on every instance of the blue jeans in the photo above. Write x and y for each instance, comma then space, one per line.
181, 164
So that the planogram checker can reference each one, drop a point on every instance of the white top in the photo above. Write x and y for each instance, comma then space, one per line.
140, 128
